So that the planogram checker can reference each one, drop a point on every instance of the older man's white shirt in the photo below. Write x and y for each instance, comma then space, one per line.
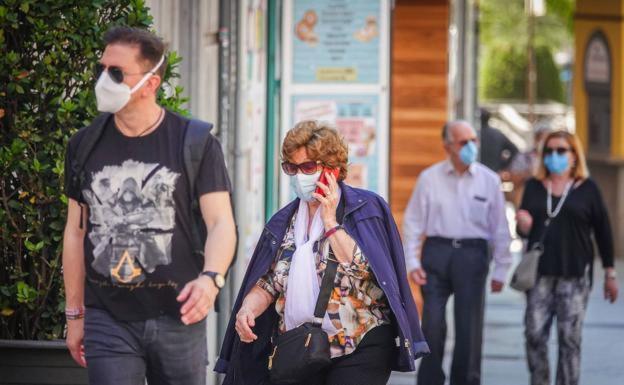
449, 205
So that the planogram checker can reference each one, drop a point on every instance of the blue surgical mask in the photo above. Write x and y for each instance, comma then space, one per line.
556, 163
304, 185
468, 153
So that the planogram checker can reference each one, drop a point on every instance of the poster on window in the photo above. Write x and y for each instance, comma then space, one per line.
336, 41
336, 68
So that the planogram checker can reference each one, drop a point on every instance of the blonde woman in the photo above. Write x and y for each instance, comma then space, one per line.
564, 207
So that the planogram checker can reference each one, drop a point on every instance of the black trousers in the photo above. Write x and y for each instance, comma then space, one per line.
369, 364
458, 269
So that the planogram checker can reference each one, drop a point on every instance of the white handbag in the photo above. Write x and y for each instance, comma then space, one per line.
525, 275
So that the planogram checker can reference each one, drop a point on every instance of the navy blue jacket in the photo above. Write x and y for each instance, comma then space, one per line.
368, 221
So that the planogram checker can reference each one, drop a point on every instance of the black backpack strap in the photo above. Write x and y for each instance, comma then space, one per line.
195, 141
91, 136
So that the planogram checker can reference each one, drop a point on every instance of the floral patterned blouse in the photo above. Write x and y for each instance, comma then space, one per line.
356, 305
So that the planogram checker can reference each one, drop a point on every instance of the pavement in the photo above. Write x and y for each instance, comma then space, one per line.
504, 363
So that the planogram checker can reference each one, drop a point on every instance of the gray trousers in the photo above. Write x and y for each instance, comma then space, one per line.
565, 299
459, 270
162, 350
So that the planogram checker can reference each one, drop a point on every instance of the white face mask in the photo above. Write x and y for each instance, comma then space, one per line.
304, 185
111, 96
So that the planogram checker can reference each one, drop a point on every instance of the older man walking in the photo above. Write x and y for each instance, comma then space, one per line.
456, 212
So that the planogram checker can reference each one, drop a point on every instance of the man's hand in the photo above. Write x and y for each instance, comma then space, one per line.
610, 288
198, 297
419, 276
75, 335
496, 286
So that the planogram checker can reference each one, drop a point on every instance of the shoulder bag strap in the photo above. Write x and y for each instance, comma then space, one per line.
327, 284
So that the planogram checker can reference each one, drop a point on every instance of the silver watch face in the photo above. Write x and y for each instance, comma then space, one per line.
219, 281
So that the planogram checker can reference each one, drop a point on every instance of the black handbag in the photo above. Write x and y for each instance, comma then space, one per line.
303, 351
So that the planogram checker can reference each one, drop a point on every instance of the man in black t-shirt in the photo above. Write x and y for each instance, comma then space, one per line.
137, 292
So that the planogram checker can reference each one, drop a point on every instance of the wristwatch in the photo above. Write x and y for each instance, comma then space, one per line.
217, 278
612, 274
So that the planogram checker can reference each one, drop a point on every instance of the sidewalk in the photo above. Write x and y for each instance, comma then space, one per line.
503, 353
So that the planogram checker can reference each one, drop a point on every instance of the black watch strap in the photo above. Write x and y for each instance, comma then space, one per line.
217, 278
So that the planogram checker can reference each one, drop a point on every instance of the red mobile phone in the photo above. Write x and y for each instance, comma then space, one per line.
323, 178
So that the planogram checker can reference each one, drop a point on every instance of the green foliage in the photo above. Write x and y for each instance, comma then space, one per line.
564, 11
503, 24
504, 39
47, 50
504, 75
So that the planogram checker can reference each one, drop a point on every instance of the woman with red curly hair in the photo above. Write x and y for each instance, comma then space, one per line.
328, 226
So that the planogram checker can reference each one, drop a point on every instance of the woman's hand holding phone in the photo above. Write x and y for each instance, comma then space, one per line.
327, 194
323, 178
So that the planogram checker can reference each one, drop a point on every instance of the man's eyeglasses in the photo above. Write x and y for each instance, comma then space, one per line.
307, 168
558, 150
115, 72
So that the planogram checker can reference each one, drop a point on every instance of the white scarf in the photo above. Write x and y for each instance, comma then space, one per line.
303, 286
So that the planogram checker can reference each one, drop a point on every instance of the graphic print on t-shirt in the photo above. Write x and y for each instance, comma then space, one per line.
132, 214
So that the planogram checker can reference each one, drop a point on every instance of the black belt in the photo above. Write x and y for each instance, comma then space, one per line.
458, 243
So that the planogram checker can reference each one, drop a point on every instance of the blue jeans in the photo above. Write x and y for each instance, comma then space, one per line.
162, 350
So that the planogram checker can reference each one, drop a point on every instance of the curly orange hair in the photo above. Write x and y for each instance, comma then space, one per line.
321, 141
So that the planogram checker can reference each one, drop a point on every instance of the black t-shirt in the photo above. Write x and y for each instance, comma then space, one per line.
568, 247
138, 247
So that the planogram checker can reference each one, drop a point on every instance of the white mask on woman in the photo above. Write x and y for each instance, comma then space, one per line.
304, 185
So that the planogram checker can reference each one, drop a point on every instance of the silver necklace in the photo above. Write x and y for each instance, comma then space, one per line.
549, 211
160, 115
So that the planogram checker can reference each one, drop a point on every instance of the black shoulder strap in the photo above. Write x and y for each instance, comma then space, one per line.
540, 242
195, 141
92, 134
327, 284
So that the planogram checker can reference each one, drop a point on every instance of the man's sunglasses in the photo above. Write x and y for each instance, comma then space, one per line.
307, 168
558, 150
115, 72
462, 143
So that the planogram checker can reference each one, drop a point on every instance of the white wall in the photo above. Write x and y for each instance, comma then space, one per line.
190, 27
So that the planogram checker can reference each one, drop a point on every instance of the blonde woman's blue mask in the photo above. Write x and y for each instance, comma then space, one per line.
556, 163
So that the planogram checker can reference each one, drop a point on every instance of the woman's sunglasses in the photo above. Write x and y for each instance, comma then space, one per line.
115, 72
558, 150
307, 168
